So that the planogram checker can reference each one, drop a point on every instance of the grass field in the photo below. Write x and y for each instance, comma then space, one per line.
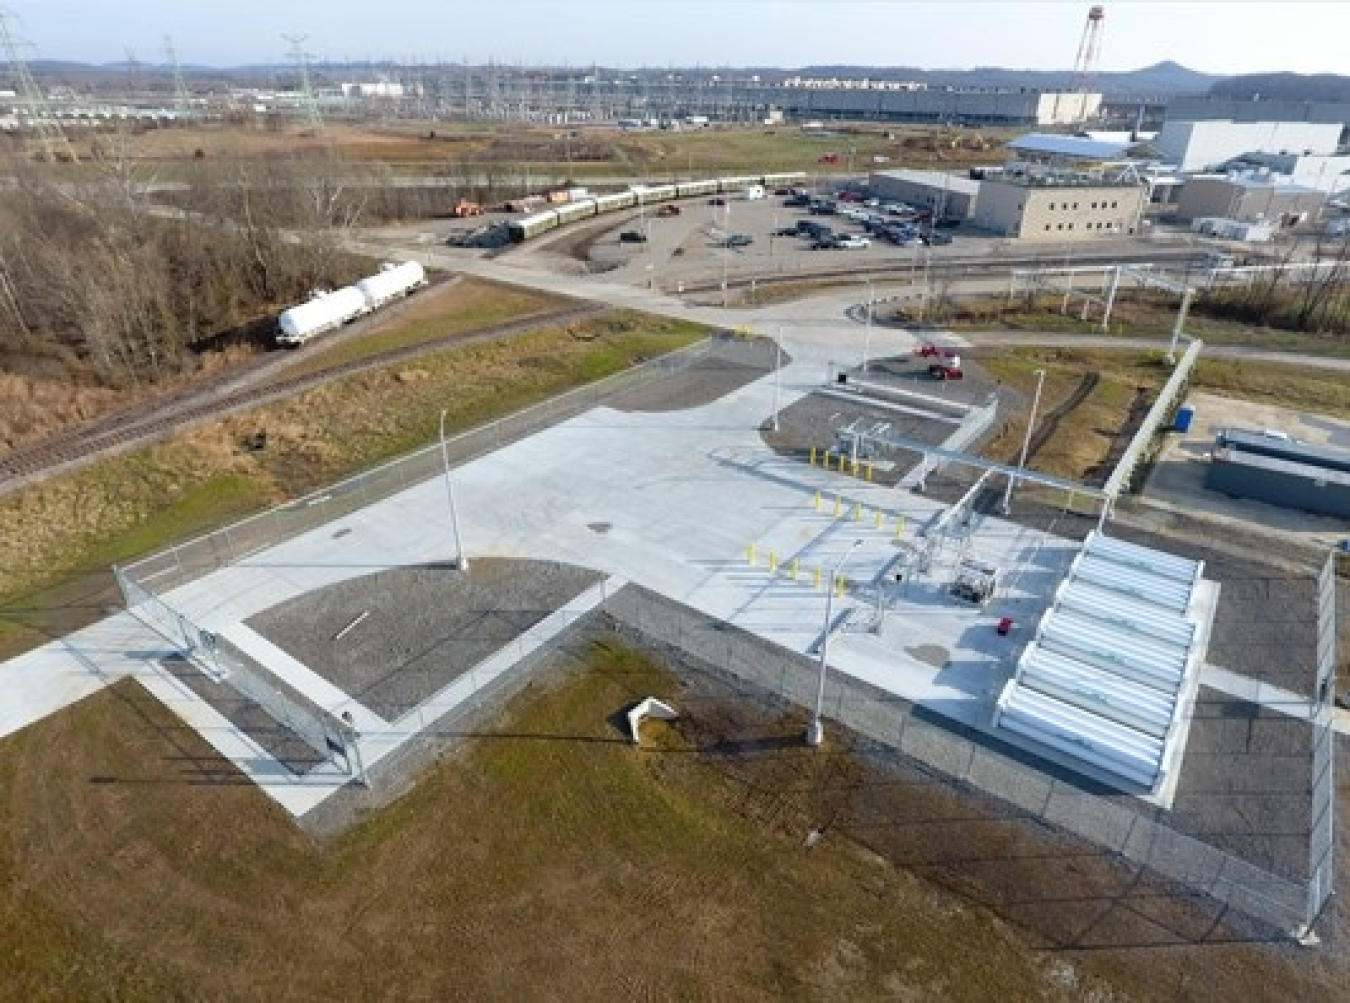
552, 859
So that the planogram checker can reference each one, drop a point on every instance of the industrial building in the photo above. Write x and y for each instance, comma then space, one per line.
1194, 108
1328, 173
1258, 199
1207, 145
948, 195
1059, 208
1281, 471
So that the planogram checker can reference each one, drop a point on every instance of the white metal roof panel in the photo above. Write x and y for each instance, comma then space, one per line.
1169, 593
1133, 704
1104, 744
1114, 650
1067, 146
1142, 558
1123, 611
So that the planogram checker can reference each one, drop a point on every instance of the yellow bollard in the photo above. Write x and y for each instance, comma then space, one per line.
794, 569
869, 473
817, 585
838, 506
816, 503
854, 471
773, 561
878, 518
750, 554
813, 456
857, 511
840, 586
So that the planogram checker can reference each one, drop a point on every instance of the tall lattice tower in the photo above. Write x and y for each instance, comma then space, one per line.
309, 106
1089, 48
181, 100
41, 118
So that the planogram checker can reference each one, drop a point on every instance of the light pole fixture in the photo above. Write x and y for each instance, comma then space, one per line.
815, 731
461, 558
1026, 441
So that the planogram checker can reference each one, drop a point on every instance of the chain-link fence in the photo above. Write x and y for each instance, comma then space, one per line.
1120, 824
147, 584
186, 562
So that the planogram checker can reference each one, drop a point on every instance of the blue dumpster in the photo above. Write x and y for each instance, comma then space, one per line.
1185, 414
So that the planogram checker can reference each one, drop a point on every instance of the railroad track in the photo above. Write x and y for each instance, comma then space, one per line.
250, 388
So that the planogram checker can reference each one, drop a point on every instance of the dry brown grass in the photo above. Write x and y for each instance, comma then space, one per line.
80, 523
551, 859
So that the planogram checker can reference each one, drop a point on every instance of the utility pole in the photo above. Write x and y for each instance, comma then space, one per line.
309, 106
41, 118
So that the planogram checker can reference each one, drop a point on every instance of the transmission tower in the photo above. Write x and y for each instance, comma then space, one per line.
1089, 48
309, 107
180, 92
55, 145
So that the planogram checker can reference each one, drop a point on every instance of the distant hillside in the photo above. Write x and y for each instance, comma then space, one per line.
1284, 87
1164, 79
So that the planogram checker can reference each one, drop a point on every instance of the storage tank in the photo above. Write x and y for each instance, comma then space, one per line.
323, 313
391, 283
1185, 415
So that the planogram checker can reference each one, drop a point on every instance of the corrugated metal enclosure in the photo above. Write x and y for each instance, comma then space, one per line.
1104, 685
1281, 471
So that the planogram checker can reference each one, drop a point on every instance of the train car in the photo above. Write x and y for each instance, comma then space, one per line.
570, 212
656, 193
733, 186
392, 282
528, 227
693, 189
323, 313
615, 201
772, 181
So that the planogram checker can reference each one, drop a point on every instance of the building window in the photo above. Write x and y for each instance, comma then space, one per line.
1059, 226
1114, 205
1047, 226
1052, 206
1094, 205
1070, 226
1075, 205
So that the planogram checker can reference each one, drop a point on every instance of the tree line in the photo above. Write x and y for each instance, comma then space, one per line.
101, 268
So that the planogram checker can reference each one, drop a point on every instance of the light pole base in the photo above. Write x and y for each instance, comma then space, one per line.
815, 732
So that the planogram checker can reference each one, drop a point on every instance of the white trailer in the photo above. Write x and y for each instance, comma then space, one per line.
392, 282
323, 313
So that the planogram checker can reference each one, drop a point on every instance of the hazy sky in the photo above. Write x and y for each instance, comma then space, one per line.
1217, 36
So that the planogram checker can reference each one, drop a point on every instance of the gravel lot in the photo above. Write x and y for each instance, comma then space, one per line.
426, 626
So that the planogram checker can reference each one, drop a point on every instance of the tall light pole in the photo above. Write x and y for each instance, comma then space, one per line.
1026, 441
1181, 322
867, 334
815, 731
461, 558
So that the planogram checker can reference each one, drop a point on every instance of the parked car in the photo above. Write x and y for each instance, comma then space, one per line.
786, 231
821, 208
852, 242
797, 202
826, 243
632, 237
939, 238
668, 210
717, 200
738, 240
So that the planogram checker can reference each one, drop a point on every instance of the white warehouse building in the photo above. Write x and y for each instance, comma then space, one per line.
1205, 145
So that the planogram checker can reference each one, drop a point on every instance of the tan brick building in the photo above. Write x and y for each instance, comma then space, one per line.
1059, 209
